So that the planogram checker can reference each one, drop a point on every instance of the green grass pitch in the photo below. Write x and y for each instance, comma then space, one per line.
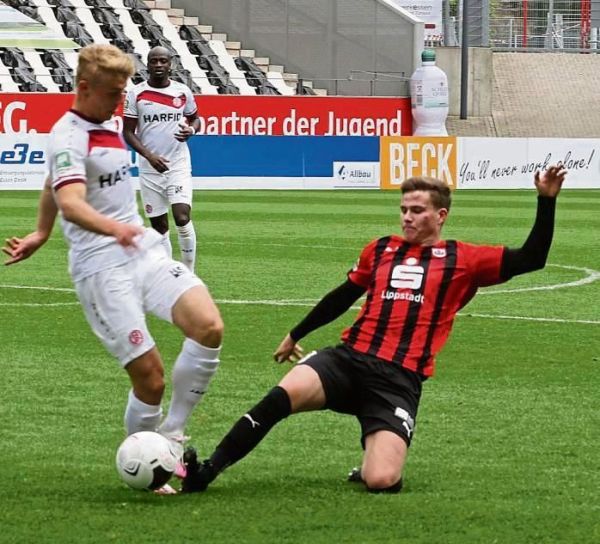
508, 435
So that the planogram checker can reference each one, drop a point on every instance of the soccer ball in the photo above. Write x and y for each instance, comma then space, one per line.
145, 460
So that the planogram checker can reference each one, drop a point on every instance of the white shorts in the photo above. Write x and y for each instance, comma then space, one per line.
161, 191
116, 300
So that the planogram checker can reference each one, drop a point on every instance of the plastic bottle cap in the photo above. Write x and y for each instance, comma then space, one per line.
428, 55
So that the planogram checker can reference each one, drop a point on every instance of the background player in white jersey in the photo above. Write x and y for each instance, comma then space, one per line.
159, 116
118, 267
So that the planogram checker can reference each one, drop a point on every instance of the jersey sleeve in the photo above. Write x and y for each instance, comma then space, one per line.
66, 158
484, 264
190, 107
130, 105
361, 273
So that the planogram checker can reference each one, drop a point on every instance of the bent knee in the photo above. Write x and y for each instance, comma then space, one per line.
211, 332
150, 389
380, 480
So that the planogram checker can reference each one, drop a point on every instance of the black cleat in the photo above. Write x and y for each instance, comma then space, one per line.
198, 475
355, 476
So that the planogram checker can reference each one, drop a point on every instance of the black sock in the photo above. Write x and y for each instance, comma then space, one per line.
251, 428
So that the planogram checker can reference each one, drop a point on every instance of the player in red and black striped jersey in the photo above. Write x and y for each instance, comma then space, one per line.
414, 284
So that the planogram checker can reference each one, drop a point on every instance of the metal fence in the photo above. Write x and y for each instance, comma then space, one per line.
513, 25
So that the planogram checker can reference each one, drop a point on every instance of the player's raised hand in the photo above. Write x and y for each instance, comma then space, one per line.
549, 182
160, 164
19, 249
288, 350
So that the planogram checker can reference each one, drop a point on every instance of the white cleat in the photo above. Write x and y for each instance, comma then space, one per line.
165, 490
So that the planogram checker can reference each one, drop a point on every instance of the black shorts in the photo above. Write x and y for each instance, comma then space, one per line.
382, 395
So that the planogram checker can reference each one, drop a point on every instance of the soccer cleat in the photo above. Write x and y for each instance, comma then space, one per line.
198, 475
180, 470
177, 443
165, 490
355, 476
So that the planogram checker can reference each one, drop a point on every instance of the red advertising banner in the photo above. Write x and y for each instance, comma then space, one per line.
241, 115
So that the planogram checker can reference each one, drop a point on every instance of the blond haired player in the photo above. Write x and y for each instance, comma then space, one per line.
158, 118
119, 268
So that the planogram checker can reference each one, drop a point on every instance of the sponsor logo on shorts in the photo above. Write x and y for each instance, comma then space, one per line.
136, 337
177, 271
407, 422
148, 208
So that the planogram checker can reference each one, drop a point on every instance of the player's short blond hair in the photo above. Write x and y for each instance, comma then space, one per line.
102, 59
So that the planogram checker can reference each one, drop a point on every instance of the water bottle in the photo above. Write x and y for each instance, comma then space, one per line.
429, 97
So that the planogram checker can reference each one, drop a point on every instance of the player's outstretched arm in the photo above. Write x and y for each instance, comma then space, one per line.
330, 307
288, 350
19, 249
532, 255
549, 182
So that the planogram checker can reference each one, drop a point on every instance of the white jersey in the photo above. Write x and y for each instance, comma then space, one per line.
82, 151
159, 111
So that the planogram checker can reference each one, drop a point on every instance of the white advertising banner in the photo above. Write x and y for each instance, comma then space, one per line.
510, 163
22, 161
474, 163
356, 175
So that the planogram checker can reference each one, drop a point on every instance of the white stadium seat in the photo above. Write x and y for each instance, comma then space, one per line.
276, 78
50, 21
237, 76
42, 73
6, 81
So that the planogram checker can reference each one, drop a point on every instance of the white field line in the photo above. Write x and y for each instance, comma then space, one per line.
592, 276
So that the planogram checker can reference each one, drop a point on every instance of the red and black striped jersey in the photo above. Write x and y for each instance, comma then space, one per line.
413, 294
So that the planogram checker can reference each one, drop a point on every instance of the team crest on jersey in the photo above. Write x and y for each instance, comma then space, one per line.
178, 101
136, 337
438, 252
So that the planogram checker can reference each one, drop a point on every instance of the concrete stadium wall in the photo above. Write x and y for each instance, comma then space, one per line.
337, 45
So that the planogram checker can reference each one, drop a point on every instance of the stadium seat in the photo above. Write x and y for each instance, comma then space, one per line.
90, 24
78, 34
255, 76
106, 17
132, 31
42, 73
206, 66
66, 14
7, 83
226, 60
136, 5
49, 19
102, 4
276, 79
141, 72
71, 60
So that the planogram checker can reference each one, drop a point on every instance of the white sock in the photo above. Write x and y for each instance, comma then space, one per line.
166, 243
140, 416
187, 244
193, 370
